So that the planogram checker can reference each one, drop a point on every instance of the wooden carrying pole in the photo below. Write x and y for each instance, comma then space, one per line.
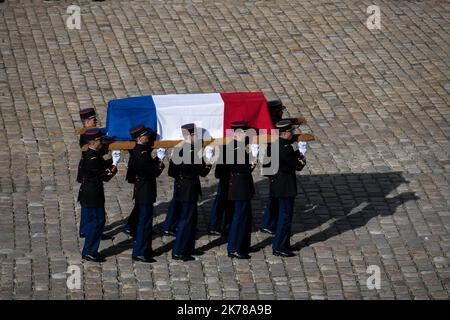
128, 145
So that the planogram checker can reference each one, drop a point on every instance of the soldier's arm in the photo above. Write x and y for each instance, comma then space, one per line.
174, 170
205, 169
290, 160
95, 168
146, 165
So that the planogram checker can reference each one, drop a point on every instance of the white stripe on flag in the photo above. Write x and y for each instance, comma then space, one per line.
205, 110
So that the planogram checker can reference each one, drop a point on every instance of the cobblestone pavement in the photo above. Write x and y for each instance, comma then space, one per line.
375, 191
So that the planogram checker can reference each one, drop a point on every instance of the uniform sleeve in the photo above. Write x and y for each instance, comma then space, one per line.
147, 166
107, 163
289, 160
96, 169
174, 170
205, 169
131, 171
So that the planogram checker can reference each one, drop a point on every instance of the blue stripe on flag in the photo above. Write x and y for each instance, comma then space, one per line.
128, 113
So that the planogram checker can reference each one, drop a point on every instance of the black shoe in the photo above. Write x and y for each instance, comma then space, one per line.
284, 254
92, 258
238, 255
197, 252
292, 248
107, 237
170, 233
101, 255
264, 230
143, 259
214, 233
182, 258
82, 235
126, 231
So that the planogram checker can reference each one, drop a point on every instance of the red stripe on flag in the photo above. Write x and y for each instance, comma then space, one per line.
246, 106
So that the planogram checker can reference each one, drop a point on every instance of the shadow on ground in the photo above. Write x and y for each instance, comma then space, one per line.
345, 202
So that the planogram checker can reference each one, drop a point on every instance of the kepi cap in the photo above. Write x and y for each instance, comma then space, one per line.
243, 125
140, 131
285, 125
87, 113
188, 129
93, 134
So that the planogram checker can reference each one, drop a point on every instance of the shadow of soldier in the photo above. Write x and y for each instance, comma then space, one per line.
355, 220
335, 202
341, 202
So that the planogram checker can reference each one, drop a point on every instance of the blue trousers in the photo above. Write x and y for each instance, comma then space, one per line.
221, 206
270, 217
173, 213
83, 221
239, 237
143, 238
282, 237
94, 229
185, 240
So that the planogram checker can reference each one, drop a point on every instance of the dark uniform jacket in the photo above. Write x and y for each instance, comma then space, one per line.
94, 170
284, 182
142, 171
187, 181
240, 185
83, 141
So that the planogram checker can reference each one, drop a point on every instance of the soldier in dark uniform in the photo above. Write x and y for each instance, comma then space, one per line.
283, 188
89, 119
222, 208
240, 191
94, 171
270, 215
130, 227
186, 170
145, 169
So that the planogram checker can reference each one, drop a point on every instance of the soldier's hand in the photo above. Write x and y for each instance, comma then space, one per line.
302, 147
161, 153
115, 155
209, 153
254, 148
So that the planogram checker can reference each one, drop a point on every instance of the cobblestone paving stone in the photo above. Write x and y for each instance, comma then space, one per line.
375, 190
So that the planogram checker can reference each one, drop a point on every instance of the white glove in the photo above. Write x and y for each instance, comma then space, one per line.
115, 155
254, 148
302, 146
209, 153
161, 153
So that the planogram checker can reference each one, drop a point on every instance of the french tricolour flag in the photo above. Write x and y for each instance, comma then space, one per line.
165, 114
